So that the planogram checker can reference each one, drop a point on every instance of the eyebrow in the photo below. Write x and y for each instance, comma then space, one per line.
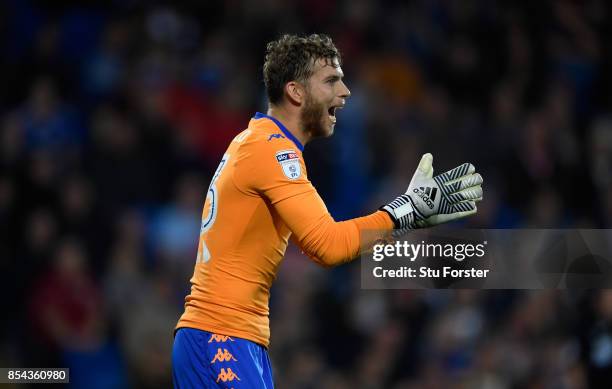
334, 77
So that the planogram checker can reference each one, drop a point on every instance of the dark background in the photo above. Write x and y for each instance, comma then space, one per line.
114, 116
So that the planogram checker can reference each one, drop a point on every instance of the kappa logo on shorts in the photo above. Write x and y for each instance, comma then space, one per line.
219, 338
290, 162
223, 356
227, 375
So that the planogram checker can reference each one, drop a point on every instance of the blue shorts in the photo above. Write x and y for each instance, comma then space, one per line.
201, 359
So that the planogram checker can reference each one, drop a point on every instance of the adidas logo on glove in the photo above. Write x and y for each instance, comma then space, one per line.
424, 193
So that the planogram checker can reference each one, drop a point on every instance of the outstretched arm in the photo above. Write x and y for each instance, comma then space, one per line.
323, 239
274, 170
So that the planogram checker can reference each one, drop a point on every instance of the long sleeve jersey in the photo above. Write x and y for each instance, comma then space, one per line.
259, 196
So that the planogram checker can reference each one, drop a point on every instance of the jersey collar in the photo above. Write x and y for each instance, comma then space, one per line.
288, 134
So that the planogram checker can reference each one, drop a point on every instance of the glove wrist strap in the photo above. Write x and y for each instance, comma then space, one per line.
401, 212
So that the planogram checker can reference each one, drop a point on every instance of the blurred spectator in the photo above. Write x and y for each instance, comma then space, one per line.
68, 317
104, 70
50, 124
66, 305
147, 333
175, 229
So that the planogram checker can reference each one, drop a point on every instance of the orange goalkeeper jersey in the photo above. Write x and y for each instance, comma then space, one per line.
260, 195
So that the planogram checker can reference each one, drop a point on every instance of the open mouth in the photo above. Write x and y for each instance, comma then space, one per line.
332, 113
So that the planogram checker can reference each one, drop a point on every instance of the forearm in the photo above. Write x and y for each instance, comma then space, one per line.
333, 243
326, 241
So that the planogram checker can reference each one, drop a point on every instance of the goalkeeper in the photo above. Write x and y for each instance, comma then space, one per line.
260, 196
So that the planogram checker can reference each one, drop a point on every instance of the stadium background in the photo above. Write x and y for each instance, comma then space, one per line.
114, 116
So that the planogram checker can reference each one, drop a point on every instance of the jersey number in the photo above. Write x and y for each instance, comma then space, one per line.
212, 198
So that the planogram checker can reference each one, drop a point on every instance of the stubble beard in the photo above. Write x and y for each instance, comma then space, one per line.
312, 118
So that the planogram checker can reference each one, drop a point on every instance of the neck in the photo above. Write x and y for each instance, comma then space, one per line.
290, 120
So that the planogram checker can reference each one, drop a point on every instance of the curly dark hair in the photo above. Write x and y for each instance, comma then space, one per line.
291, 58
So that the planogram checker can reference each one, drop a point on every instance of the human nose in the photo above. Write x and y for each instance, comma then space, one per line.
345, 93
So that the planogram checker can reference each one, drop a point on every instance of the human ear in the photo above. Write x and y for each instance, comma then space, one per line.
295, 92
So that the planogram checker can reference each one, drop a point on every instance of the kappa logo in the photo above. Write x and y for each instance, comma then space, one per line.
223, 356
227, 375
427, 194
276, 136
290, 163
219, 338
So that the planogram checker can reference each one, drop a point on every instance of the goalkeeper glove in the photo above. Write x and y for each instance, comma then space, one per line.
430, 201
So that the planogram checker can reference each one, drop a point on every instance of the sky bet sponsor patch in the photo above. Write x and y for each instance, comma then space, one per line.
290, 162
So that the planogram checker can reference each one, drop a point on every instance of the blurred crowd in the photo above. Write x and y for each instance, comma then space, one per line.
114, 115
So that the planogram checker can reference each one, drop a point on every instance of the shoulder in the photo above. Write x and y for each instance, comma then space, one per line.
264, 152
264, 140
